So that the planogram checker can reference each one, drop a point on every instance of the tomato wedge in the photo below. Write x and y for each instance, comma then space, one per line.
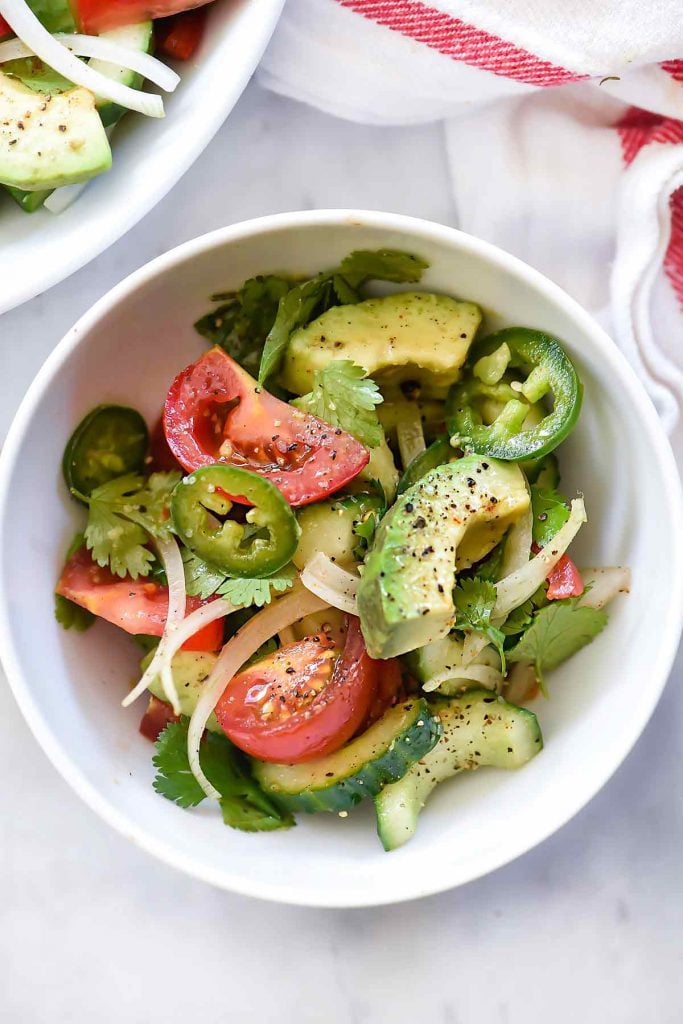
179, 37
157, 716
137, 606
95, 16
302, 702
5, 30
216, 412
390, 688
162, 459
564, 580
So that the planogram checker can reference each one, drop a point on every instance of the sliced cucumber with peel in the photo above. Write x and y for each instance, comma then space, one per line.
478, 729
133, 37
190, 671
381, 755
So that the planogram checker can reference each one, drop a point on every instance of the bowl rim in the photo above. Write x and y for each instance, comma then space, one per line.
661, 453
264, 24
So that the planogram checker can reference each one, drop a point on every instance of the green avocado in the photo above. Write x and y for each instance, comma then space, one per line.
408, 340
47, 141
405, 596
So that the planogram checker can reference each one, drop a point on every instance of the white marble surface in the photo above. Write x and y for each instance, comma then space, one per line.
587, 926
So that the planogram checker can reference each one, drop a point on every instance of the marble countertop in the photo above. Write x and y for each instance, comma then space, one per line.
587, 926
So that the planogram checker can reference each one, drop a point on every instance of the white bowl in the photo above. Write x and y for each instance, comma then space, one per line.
127, 349
40, 249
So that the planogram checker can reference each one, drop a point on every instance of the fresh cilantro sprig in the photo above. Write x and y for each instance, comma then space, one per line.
344, 396
246, 592
365, 526
474, 601
201, 579
70, 615
204, 581
122, 514
550, 512
309, 299
240, 324
243, 803
555, 633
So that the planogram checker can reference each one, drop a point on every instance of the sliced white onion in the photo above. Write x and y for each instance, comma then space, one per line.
486, 675
62, 198
145, 64
287, 636
28, 28
605, 584
521, 684
515, 589
518, 544
331, 583
276, 616
473, 646
410, 435
169, 554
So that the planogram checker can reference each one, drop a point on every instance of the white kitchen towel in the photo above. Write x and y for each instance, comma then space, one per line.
564, 116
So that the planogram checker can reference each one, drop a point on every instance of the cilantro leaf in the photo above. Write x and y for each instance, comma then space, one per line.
70, 615
381, 265
243, 803
518, 619
474, 601
241, 323
344, 396
489, 568
557, 631
174, 778
247, 591
122, 513
550, 513
201, 579
305, 301
204, 581
302, 303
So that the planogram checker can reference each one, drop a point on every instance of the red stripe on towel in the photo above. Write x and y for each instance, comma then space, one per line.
638, 128
456, 39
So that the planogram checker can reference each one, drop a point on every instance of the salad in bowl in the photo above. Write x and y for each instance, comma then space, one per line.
68, 74
343, 549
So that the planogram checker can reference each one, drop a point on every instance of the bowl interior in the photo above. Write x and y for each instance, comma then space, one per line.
70, 685
150, 155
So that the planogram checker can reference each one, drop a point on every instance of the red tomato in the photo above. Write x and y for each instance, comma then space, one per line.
95, 16
389, 688
5, 30
564, 580
179, 37
215, 412
162, 458
158, 715
302, 702
138, 606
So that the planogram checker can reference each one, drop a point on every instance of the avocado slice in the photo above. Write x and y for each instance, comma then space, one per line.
405, 596
414, 341
47, 141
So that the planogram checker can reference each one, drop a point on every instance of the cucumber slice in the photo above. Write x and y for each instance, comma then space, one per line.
133, 37
339, 781
190, 671
478, 729
329, 526
439, 656
28, 201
